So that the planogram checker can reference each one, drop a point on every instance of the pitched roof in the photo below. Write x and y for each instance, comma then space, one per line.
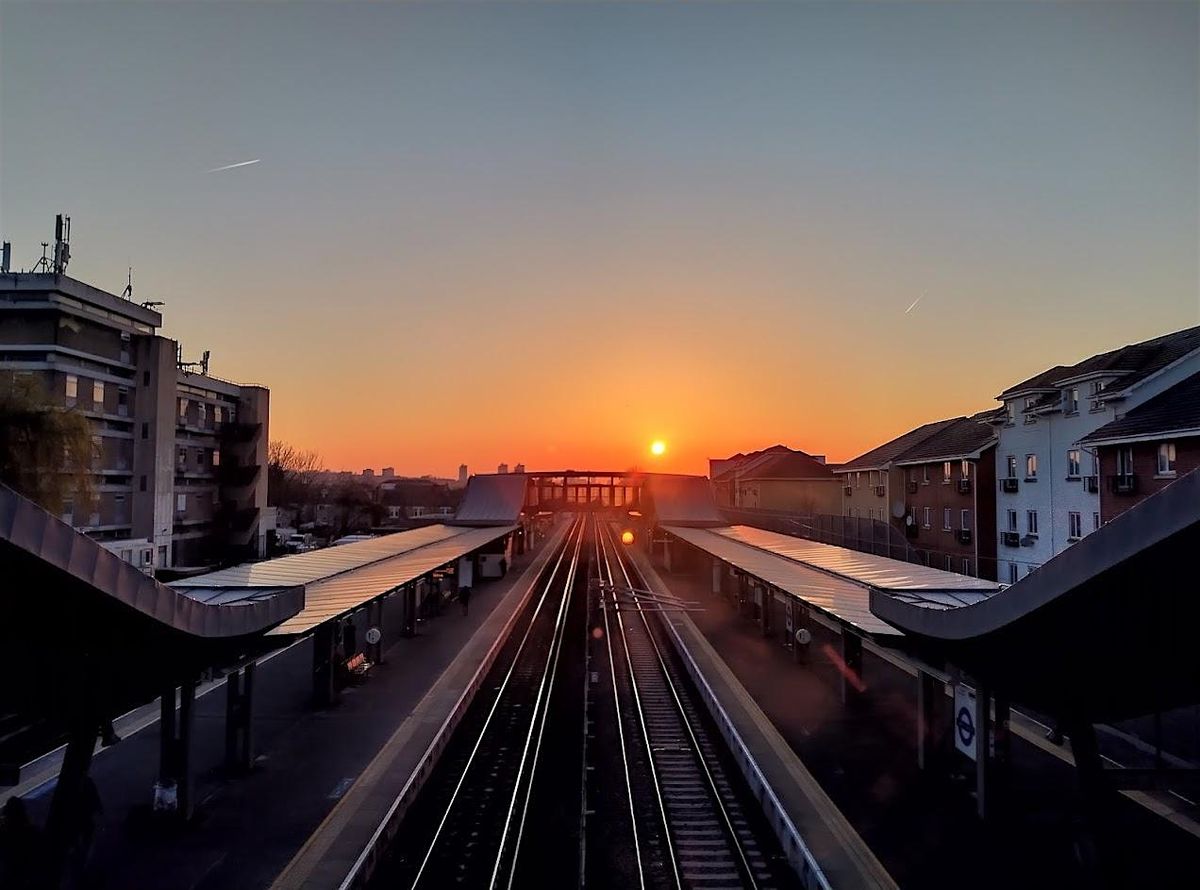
890, 451
1173, 410
788, 465
740, 463
957, 440
1133, 363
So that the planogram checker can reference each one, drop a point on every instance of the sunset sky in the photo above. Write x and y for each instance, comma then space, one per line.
551, 234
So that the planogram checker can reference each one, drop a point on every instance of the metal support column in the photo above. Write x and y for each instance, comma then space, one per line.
983, 749
716, 575
167, 734
852, 685
324, 689
233, 700
409, 610
929, 692
183, 778
667, 555
239, 698
68, 804
375, 620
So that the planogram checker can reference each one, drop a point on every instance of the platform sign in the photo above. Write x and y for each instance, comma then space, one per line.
966, 733
789, 621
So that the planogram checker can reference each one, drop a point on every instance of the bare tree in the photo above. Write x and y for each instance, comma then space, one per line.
289, 470
46, 449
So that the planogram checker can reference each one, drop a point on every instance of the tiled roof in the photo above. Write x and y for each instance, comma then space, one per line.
1134, 362
889, 451
790, 465
1172, 410
741, 463
962, 437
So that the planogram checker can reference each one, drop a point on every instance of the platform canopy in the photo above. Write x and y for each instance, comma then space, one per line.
681, 500
337, 580
1105, 630
492, 499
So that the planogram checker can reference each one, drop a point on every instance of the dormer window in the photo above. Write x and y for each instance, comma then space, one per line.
1029, 403
1071, 401
1097, 394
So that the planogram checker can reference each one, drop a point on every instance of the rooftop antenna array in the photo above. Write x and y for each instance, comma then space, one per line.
5, 256
62, 243
200, 367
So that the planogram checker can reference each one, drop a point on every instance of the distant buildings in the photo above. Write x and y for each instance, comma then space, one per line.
179, 455
502, 468
777, 478
463, 476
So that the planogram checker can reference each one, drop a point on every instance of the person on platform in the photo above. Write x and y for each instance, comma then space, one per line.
464, 598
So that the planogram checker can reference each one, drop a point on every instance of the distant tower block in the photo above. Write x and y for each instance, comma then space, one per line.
368, 473
520, 468
462, 474
503, 468
389, 472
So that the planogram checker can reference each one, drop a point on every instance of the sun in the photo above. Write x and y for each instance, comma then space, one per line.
658, 447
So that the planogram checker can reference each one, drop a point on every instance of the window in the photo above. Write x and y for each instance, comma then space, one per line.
858, 480
216, 458
68, 508
123, 401
966, 568
1029, 403
147, 557
216, 413
98, 393
72, 387
1073, 464
181, 503
1071, 401
1012, 573
1095, 521
142, 484
1012, 466
946, 473
1010, 413
1124, 461
1030, 466
925, 474
1012, 520
1166, 458
965, 469
97, 451
1031, 522
232, 418
202, 414
145, 378
181, 458
183, 405
145, 431
927, 516
966, 520
946, 513
949, 563
1074, 525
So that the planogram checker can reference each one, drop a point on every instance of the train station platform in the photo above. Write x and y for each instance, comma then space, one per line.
921, 824
246, 828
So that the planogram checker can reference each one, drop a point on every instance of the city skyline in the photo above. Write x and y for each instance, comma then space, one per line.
456, 234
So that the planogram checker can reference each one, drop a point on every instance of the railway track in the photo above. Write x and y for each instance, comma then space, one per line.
689, 822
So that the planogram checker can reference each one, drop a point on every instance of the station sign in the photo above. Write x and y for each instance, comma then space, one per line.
966, 733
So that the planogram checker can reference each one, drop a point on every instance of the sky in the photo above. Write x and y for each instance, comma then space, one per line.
553, 233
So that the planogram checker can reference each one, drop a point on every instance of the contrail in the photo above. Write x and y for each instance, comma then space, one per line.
231, 166
913, 306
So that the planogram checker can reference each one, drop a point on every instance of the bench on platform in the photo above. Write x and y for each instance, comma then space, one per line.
356, 668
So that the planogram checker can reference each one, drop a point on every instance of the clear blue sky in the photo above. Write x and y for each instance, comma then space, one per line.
696, 222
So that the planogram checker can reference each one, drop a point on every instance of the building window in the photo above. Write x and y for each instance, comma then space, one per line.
216, 458
1012, 466
98, 394
181, 503
949, 563
1030, 467
1031, 522
1012, 573
201, 414
925, 474
183, 405
145, 431
1010, 413
72, 388
1097, 395
123, 401
946, 472
1071, 401
1029, 403
1166, 458
966, 520
946, 513
1095, 521
1073, 464
216, 413
1074, 525
181, 458
927, 516
965, 469
1124, 461
1012, 520
142, 484
858, 480
145, 378
966, 566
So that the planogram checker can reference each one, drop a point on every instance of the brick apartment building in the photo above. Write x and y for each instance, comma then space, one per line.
1148, 448
777, 478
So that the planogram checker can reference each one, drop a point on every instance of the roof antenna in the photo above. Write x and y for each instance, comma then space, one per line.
128, 292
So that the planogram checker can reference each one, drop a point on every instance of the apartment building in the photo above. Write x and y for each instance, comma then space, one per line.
874, 485
1148, 448
778, 478
179, 455
950, 496
1049, 478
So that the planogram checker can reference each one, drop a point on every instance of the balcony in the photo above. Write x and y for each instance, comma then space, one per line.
240, 433
1010, 539
963, 535
1091, 484
964, 486
912, 487
1010, 484
880, 490
1123, 483
238, 475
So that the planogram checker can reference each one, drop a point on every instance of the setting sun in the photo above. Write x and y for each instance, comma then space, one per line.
658, 447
